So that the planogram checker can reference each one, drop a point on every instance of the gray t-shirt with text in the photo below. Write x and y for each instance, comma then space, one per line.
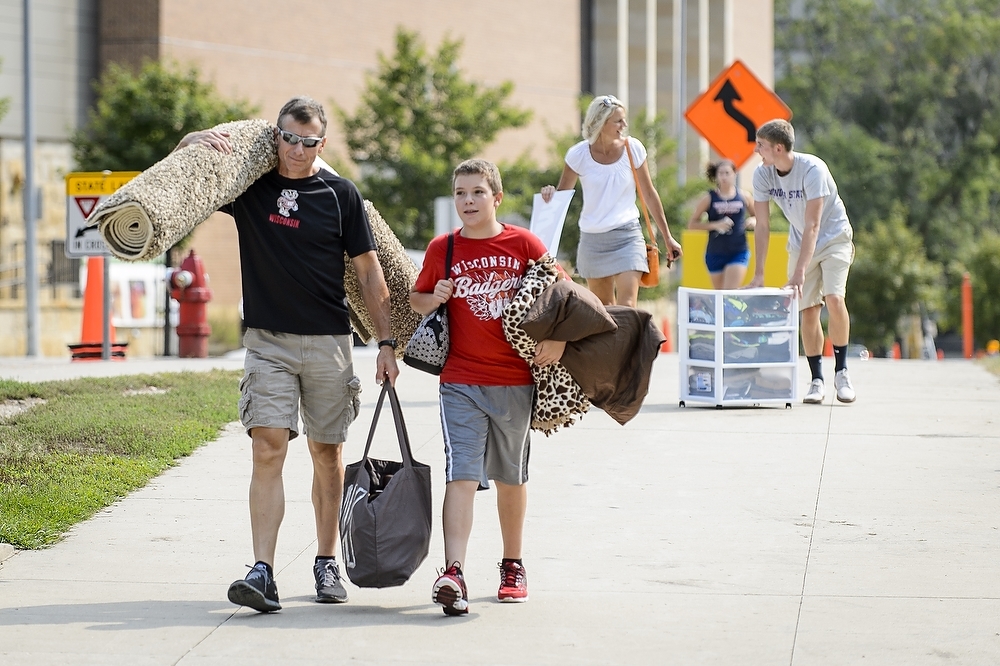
809, 179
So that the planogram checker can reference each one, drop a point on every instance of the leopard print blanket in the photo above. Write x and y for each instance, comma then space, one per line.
559, 399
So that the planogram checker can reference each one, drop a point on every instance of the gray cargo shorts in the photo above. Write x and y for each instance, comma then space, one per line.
283, 371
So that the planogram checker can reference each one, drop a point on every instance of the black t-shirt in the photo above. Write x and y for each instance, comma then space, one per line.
293, 236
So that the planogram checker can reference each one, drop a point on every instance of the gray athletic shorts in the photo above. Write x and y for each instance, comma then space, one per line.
487, 432
284, 370
612, 252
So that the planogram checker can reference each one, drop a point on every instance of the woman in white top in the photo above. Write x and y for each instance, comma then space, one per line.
612, 252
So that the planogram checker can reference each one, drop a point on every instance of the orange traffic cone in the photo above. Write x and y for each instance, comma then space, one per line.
896, 352
828, 347
92, 331
668, 344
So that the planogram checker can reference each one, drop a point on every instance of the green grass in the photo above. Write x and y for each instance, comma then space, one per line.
92, 443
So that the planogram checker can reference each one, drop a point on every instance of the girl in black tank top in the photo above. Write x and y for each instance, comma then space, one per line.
727, 252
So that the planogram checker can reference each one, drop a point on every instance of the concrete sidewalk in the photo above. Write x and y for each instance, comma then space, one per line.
833, 534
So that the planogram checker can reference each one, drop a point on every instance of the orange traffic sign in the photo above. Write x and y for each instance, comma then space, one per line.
730, 111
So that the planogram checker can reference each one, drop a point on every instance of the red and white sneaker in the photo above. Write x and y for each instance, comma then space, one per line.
513, 583
449, 591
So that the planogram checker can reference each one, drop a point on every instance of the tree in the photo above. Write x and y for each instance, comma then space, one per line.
903, 96
418, 119
984, 270
139, 118
891, 277
902, 99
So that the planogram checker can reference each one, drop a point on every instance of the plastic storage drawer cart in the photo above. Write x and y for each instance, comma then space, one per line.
737, 347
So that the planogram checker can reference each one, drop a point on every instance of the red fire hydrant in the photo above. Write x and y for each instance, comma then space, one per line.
190, 288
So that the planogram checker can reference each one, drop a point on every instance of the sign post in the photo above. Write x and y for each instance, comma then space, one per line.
729, 112
84, 190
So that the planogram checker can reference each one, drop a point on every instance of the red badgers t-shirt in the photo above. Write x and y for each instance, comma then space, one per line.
487, 274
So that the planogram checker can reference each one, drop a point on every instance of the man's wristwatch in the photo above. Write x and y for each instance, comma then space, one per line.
390, 342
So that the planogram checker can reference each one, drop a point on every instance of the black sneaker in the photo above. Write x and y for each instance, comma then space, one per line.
257, 591
329, 589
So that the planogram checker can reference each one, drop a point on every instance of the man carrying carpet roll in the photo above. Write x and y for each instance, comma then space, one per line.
295, 224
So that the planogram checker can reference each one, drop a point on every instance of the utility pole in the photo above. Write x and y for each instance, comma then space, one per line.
30, 197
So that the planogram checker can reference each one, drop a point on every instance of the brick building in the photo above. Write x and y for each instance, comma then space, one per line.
267, 52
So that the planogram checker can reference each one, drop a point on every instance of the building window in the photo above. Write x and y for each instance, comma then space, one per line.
63, 269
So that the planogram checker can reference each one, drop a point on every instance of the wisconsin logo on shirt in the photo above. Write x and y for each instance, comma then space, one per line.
488, 285
286, 202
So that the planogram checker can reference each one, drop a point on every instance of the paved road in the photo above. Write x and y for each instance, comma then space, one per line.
834, 534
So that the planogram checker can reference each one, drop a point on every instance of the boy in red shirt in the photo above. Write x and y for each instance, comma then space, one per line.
486, 391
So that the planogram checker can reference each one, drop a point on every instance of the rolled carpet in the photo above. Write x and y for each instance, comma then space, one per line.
160, 206
400, 276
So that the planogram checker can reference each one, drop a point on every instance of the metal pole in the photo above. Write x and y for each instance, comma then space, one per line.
30, 197
166, 304
680, 67
651, 70
727, 33
623, 51
106, 314
702, 70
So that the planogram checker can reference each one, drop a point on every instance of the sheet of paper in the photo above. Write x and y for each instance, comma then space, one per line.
547, 219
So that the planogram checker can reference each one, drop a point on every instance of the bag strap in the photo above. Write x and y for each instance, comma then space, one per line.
397, 417
638, 189
447, 256
441, 309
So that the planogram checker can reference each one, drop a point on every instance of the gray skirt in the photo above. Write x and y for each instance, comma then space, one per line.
612, 252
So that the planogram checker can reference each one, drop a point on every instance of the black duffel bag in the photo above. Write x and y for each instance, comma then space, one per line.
385, 517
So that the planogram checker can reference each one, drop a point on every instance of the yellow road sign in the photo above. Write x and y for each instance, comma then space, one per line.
96, 183
84, 190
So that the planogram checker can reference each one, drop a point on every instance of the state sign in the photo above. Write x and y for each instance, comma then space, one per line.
729, 112
84, 190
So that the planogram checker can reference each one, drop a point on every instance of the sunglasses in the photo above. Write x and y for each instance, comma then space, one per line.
291, 138
610, 101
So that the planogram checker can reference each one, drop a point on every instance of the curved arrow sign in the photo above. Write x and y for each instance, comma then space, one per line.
729, 112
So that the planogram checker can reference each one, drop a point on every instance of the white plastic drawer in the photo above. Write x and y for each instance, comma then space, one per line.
701, 308
701, 345
758, 310
701, 381
758, 347
757, 383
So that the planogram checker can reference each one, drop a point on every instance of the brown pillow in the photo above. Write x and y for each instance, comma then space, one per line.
567, 311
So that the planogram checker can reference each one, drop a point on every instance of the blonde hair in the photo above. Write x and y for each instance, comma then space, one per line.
478, 167
597, 114
777, 132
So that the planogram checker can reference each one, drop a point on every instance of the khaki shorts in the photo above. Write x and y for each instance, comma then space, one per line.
283, 370
827, 272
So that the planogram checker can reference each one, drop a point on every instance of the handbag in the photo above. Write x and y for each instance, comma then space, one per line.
428, 348
651, 278
385, 516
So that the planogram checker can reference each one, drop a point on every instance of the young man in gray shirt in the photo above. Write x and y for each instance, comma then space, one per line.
820, 246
